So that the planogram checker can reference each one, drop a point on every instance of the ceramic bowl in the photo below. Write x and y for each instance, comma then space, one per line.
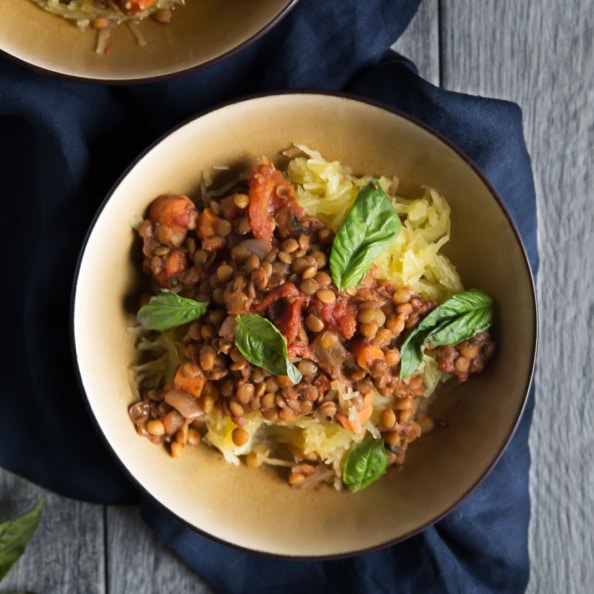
200, 33
253, 508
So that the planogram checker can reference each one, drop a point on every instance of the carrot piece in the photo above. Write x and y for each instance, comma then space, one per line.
189, 378
205, 227
366, 353
363, 415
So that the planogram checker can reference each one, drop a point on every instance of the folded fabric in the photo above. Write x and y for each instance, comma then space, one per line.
63, 144
481, 547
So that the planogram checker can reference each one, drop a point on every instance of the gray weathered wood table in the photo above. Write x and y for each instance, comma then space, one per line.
540, 54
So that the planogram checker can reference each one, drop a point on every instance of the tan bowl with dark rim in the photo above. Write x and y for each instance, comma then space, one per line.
201, 32
253, 508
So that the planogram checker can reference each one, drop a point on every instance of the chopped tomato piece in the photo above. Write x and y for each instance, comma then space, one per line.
322, 383
300, 349
135, 6
285, 304
340, 316
290, 321
269, 192
284, 291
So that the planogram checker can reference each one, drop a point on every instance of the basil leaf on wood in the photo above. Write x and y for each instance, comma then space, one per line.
371, 226
458, 318
14, 536
262, 344
364, 464
168, 310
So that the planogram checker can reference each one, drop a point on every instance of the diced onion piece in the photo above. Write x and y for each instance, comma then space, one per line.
185, 403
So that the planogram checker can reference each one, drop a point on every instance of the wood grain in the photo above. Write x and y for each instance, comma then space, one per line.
66, 553
539, 54
420, 41
139, 562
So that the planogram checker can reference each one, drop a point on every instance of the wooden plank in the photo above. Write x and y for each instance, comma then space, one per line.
539, 54
420, 41
66, 553
139, 562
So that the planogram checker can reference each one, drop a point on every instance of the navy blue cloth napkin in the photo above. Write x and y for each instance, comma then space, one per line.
63, 144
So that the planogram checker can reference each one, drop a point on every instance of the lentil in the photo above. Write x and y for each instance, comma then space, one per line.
326, 296
240, 436
309, 272
323, 278
388, 418
155, 427
177, 449
314, 323
241, 200
290, 245
309, 286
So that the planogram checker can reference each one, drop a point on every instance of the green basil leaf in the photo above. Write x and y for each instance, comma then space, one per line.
262, 344
411, 354
458, 318
371, 226
14, 536
460, 303
459, 329
168, 310
364, 464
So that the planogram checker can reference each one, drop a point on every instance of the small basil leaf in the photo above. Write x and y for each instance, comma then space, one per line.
262, 344
459, 329
458, 318
364, 464
411, 354
168, 310
14, 536
371, 226
457, 304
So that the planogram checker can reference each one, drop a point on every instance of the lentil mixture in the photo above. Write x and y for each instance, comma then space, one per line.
256, 250
104, 15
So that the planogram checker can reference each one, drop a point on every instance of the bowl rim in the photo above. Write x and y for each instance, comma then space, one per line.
527, 389
289, 6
